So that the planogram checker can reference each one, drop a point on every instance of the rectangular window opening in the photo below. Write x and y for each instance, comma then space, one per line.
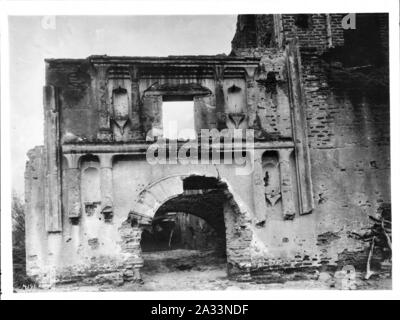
178, 120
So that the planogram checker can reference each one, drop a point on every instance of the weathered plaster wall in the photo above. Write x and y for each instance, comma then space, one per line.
77, 97
348, 128
83, 88
92, 246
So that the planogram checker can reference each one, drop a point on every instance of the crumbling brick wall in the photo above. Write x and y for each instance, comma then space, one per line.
345, 86
313, 35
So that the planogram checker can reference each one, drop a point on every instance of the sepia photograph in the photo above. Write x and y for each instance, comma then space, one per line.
199, 152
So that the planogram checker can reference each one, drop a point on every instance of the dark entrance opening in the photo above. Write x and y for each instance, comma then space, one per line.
187, 232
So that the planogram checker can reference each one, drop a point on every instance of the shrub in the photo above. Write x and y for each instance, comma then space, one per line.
20, 278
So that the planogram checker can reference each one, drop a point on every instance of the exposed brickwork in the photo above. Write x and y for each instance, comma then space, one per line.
345, 106
347, 109
315, 36
320, 113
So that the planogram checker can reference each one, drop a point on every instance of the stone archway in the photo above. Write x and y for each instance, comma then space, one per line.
158, 194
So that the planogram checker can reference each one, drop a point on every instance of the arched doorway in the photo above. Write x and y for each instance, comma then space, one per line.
187, 232
206, 197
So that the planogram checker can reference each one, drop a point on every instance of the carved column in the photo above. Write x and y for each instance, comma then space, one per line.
288, 206
106, 185
259, 197
73, 181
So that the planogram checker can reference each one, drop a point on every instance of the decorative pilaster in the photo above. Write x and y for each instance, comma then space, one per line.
52, 207
106, 185
104, 113
135, 98
251, 96
48, 279
219, 97
73, 181
258, 192
288, 206
152, 117
299, 125
278, 30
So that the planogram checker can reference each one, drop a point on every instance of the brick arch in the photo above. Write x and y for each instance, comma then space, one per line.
236, 216
158, 192
154, 195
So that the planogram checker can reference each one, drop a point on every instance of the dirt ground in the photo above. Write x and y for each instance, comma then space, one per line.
181, 270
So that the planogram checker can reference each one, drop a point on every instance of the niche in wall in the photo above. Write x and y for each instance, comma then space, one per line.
119, 90
90, 186
272, 187
120, 103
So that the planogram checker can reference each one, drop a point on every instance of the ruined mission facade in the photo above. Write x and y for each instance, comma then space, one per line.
316, 96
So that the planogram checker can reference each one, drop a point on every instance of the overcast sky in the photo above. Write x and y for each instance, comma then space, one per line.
32, 39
